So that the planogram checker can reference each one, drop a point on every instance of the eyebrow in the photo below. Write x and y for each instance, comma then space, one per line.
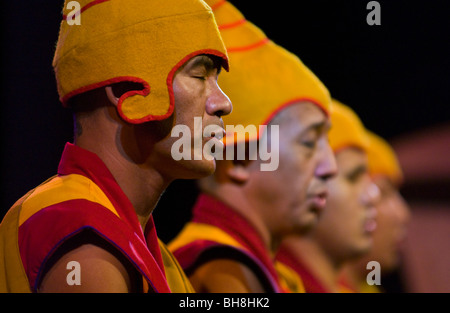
357, 171
208, 61
318, 126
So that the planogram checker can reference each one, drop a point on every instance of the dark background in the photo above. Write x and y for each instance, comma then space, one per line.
395, 76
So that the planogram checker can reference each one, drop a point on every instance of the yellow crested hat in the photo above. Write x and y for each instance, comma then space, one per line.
383, 159
265, 77
141, 41
347, 130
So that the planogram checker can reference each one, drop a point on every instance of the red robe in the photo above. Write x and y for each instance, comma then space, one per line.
217, 231
83, 195
310, 282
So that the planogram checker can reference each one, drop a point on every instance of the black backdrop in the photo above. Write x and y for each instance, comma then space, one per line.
394, 75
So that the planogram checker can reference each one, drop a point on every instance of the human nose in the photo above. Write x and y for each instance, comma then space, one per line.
327, 167
218, 102
372, 194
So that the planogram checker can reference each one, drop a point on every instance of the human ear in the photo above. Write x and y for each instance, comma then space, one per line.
111, 96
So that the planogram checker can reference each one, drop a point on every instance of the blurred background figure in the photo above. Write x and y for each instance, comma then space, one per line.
345, 227
244, 209
393, 215
425, 255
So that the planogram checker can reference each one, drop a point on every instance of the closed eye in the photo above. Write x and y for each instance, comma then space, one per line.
356, 173
309, 144
199, 77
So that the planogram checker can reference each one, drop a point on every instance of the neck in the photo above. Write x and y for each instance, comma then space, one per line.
351, 275
141, 182
235, 197
316, 261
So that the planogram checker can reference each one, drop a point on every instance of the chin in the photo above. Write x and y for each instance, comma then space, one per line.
195, 169
364, 247
306, 224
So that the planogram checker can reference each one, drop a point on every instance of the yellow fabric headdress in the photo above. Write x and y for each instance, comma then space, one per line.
142, 41
347, 130
383, 159
265, 77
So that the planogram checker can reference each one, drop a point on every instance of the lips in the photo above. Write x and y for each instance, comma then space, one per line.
370, 223
215, 131
318, 200
216, 134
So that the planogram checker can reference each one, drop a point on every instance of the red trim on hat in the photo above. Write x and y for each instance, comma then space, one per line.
217, 5
169, 82
282, 107
143, 92
184, 60
291, 102
146, 90
233, 24
107, 82
87, 6
249, 47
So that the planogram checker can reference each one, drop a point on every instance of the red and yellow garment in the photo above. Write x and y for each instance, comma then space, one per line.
217, 231
84, 195
310, 282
